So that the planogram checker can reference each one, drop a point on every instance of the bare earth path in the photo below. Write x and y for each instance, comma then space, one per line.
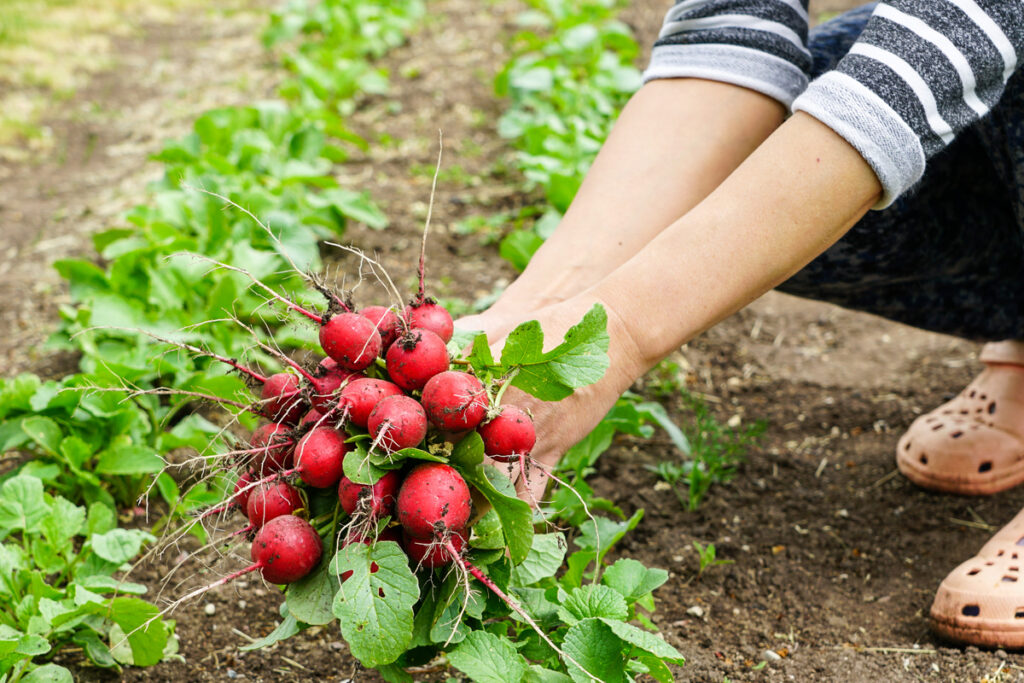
835, 559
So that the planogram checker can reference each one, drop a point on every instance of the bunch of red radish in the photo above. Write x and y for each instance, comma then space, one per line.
387, 375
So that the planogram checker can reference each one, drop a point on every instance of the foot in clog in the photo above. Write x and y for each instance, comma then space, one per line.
974, 444
981, 602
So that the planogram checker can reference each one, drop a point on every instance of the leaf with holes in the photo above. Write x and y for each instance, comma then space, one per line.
374, 608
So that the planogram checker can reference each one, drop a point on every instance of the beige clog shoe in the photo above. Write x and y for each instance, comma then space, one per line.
974, 444
981, 602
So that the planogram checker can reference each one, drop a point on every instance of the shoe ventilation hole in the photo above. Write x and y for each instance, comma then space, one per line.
1019, 614
956, 435
964, 412
989, 563
1020, 541
982, 396
1000, 553
906, 446
1013, 557
930, 420
924, 459
973, 572
970, 610
991, 407
947, 411
973, 392
937, 427
1010, 579
1015, 569
985, 466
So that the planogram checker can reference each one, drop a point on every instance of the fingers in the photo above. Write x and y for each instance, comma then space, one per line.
531, 483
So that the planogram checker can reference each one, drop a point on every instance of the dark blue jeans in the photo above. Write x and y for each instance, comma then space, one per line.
948, 255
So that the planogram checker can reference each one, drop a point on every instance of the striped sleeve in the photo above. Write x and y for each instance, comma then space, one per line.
921, 72
757, 44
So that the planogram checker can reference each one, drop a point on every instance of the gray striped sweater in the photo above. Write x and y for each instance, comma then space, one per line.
921, 71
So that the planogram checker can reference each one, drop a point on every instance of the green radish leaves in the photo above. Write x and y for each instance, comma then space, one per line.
374, 604
580, 360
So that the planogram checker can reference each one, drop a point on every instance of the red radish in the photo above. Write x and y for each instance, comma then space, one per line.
351, 340
268, 501
398, 422
389, 534
433, 554
286, 549
386, 322
454, 401
242, 490
509, 434
274, 441
282, 398
431, 316
416, 357
319, 456
362, 395
312, 417
374, 501
327, 380
433, 498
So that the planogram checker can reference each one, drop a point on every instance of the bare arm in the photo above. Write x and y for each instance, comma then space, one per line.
673, 144
791, 199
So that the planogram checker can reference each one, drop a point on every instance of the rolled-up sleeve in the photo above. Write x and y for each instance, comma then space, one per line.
920, 73
757, 44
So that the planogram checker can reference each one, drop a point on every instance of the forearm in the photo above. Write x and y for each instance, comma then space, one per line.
673, 144
791, 199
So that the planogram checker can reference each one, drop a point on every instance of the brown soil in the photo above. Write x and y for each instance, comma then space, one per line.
835, 559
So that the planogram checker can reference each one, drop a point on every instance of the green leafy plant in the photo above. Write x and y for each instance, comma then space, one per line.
716, 452
59, 564
85, 443
571, 74
707, 558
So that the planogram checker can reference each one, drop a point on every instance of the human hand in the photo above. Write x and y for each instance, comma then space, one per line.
559, 425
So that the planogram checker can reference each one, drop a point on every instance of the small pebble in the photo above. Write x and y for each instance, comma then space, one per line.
771, 656
242, 604
210, 609
1001, 654
232, 673
696, 611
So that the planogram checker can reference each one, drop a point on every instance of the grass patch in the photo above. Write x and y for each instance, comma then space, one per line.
50, 48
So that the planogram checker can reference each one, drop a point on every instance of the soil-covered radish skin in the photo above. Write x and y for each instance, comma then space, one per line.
312, 417
509, 434
242, 492
360, 396
275, 456
430, 554
286, 549
454, 401
351, 340
387, 323
282, 399
375, 501
397, 422
327, 379
319, 456
269, 501
415, 357
433, 499
432, 316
